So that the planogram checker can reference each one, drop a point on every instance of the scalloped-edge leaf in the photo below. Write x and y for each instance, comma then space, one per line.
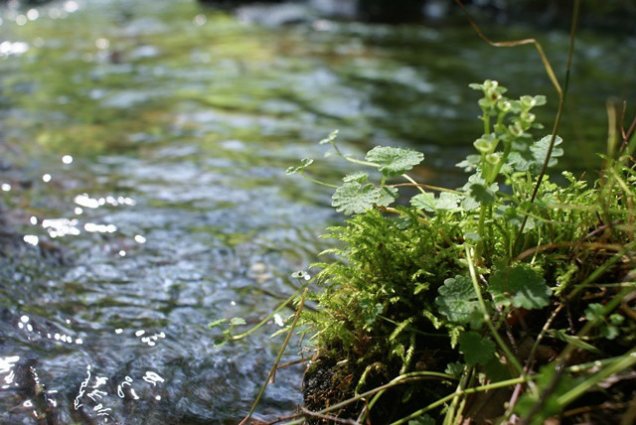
388, 196
457, 300
519, 286
448, 201
477, 349
424, 201
355, 198
540, 148
394, 161
484, 195
360, 177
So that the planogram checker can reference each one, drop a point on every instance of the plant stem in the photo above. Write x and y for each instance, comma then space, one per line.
473, 276
371, 164
449, 418
267, 318
272, 371
361, 162
402, 379
441, 401
623, 363
407, 177
321, 183
557, 120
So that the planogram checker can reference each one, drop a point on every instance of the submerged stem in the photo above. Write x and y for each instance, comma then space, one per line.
274, 368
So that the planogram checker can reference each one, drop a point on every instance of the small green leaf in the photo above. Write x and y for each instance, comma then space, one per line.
455, 369
360, 177
447, 201
424, 201
520, 286
394, 161
237, 321
470, 163
539, 100
496, 371
484, 195
518, 163
304, 163
330, 139
477, 349
546, 380
539, 151
470, 204
216, 323
608, 328
388, 195
457, 300
354, 198
595, 312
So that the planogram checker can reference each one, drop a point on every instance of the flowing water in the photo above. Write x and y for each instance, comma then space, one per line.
143, 153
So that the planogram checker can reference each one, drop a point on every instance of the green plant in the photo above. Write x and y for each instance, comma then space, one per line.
509, 298
458, 272
480, 288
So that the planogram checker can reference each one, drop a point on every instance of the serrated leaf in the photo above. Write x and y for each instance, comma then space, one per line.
330, 139
470, 204
447, 201
484, 195
518, 163
388, 195
304, 163
520, 286
496, 371
424, 201
394, 161
355, 198
540, 148
477, 349
470, 163
360, 177
457, 300
455, 369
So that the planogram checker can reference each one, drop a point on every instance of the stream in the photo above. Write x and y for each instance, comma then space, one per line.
143, 148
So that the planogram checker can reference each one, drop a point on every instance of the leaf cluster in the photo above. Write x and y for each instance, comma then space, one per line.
482, 274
